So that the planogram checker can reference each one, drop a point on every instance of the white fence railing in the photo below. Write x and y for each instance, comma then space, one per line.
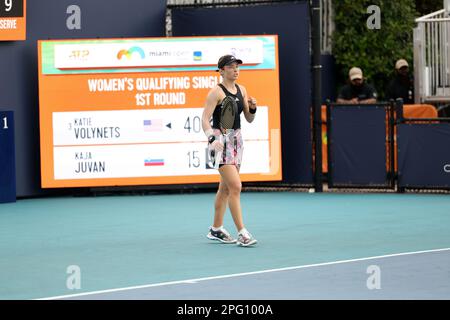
432, 58
327, 24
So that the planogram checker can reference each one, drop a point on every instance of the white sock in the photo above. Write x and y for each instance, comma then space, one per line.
243, 231
217, 229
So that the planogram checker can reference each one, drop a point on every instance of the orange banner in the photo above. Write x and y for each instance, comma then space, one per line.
137, 126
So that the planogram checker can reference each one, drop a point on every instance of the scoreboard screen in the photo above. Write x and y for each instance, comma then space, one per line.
116, 112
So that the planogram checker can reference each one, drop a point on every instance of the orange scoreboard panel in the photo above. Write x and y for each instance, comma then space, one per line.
117, 112
12, 20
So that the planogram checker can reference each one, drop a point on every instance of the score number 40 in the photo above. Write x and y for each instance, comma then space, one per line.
193, 125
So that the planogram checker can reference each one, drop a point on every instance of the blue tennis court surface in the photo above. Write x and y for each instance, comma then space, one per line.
311, 246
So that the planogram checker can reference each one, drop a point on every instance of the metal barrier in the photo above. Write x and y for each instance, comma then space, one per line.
423, 153
388, 146
360, 145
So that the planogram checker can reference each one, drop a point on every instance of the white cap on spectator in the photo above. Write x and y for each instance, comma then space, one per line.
401, 63
355, 73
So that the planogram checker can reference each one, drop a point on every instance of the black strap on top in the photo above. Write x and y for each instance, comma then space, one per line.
225, 90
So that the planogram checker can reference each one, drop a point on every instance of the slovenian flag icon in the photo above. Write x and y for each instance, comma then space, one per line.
153, 162
153, 125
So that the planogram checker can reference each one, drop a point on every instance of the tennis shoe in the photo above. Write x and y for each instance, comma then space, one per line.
246, 239
221, 235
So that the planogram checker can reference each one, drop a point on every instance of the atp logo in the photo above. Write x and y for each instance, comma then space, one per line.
129, 53
80, 55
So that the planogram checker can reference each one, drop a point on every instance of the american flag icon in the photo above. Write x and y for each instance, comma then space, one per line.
153, 125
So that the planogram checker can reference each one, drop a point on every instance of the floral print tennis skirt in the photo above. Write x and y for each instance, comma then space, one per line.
232, 149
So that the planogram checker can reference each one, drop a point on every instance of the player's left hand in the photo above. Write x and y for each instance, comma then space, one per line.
251, 102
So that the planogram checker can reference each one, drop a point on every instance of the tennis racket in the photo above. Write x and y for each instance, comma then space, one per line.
228, 113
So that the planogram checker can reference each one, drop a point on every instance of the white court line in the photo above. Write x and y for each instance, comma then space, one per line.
193, 281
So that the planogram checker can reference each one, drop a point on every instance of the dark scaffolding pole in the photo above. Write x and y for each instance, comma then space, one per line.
317, 95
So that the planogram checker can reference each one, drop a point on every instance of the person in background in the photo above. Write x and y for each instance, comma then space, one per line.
402, 85
357, 91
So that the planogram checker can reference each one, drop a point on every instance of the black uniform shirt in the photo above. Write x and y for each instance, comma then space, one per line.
364, 92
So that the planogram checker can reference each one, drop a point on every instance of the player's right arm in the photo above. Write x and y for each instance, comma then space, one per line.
212, 100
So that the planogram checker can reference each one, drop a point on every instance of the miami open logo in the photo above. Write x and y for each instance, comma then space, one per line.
129, 53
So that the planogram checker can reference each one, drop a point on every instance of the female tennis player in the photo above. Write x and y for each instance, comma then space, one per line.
231, 150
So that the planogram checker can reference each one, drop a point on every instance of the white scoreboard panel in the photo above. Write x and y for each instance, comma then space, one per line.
145, 143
